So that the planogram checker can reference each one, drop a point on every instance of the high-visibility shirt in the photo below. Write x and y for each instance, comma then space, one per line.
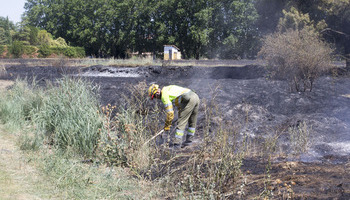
170, 94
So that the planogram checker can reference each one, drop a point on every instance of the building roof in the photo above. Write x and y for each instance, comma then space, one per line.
172, 46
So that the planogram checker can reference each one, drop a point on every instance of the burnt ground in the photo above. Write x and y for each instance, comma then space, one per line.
248, 97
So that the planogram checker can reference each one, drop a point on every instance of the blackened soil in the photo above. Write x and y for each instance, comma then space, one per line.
249, 99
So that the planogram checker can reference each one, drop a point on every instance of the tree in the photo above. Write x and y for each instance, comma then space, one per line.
338, 19
114, 27
6, 26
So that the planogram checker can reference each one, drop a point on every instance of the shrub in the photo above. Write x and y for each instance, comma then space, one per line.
29, 50
298, 56
17, 49
44, 50
70, 52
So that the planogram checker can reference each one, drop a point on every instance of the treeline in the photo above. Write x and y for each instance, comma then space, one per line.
25, 41
200, 28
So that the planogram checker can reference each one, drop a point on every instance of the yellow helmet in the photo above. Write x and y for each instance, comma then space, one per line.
153, 90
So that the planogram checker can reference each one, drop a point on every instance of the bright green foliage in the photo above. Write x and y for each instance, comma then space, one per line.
64, 115
44, 38
60, 42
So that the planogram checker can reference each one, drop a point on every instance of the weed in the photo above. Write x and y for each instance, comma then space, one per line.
299, 137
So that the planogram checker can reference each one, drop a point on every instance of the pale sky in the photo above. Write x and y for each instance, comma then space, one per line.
13, 9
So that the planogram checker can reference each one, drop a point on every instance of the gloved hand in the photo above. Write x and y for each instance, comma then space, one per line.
167, 128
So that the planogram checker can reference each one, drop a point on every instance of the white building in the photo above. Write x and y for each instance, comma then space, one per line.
171, 52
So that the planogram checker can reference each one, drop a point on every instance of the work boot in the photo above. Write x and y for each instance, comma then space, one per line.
188, 141
176, 145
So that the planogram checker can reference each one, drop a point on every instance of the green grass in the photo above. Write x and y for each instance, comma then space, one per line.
69, 116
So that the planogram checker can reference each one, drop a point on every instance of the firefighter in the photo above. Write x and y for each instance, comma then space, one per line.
187, 103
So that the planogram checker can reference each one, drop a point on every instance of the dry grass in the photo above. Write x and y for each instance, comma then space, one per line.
18, 179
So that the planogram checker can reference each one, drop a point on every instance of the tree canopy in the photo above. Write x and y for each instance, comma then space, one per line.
201, 28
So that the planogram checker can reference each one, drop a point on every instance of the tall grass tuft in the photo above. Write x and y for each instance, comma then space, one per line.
19, 103
69, 116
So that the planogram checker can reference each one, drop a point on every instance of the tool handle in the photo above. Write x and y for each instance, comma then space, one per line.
160, 132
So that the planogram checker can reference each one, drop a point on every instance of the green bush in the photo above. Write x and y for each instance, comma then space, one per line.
44, 50
70, 52
17, 49
58, 50
29, 50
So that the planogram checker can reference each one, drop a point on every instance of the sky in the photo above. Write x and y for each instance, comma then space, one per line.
13, 9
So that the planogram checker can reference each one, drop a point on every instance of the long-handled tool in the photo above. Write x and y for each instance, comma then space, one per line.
160, 132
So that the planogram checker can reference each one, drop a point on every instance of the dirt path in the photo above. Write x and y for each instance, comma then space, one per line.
17, 178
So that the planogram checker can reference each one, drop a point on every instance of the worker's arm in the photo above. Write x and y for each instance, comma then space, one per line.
168, 109
169, 116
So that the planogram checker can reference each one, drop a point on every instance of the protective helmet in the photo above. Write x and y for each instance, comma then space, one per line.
153, 90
